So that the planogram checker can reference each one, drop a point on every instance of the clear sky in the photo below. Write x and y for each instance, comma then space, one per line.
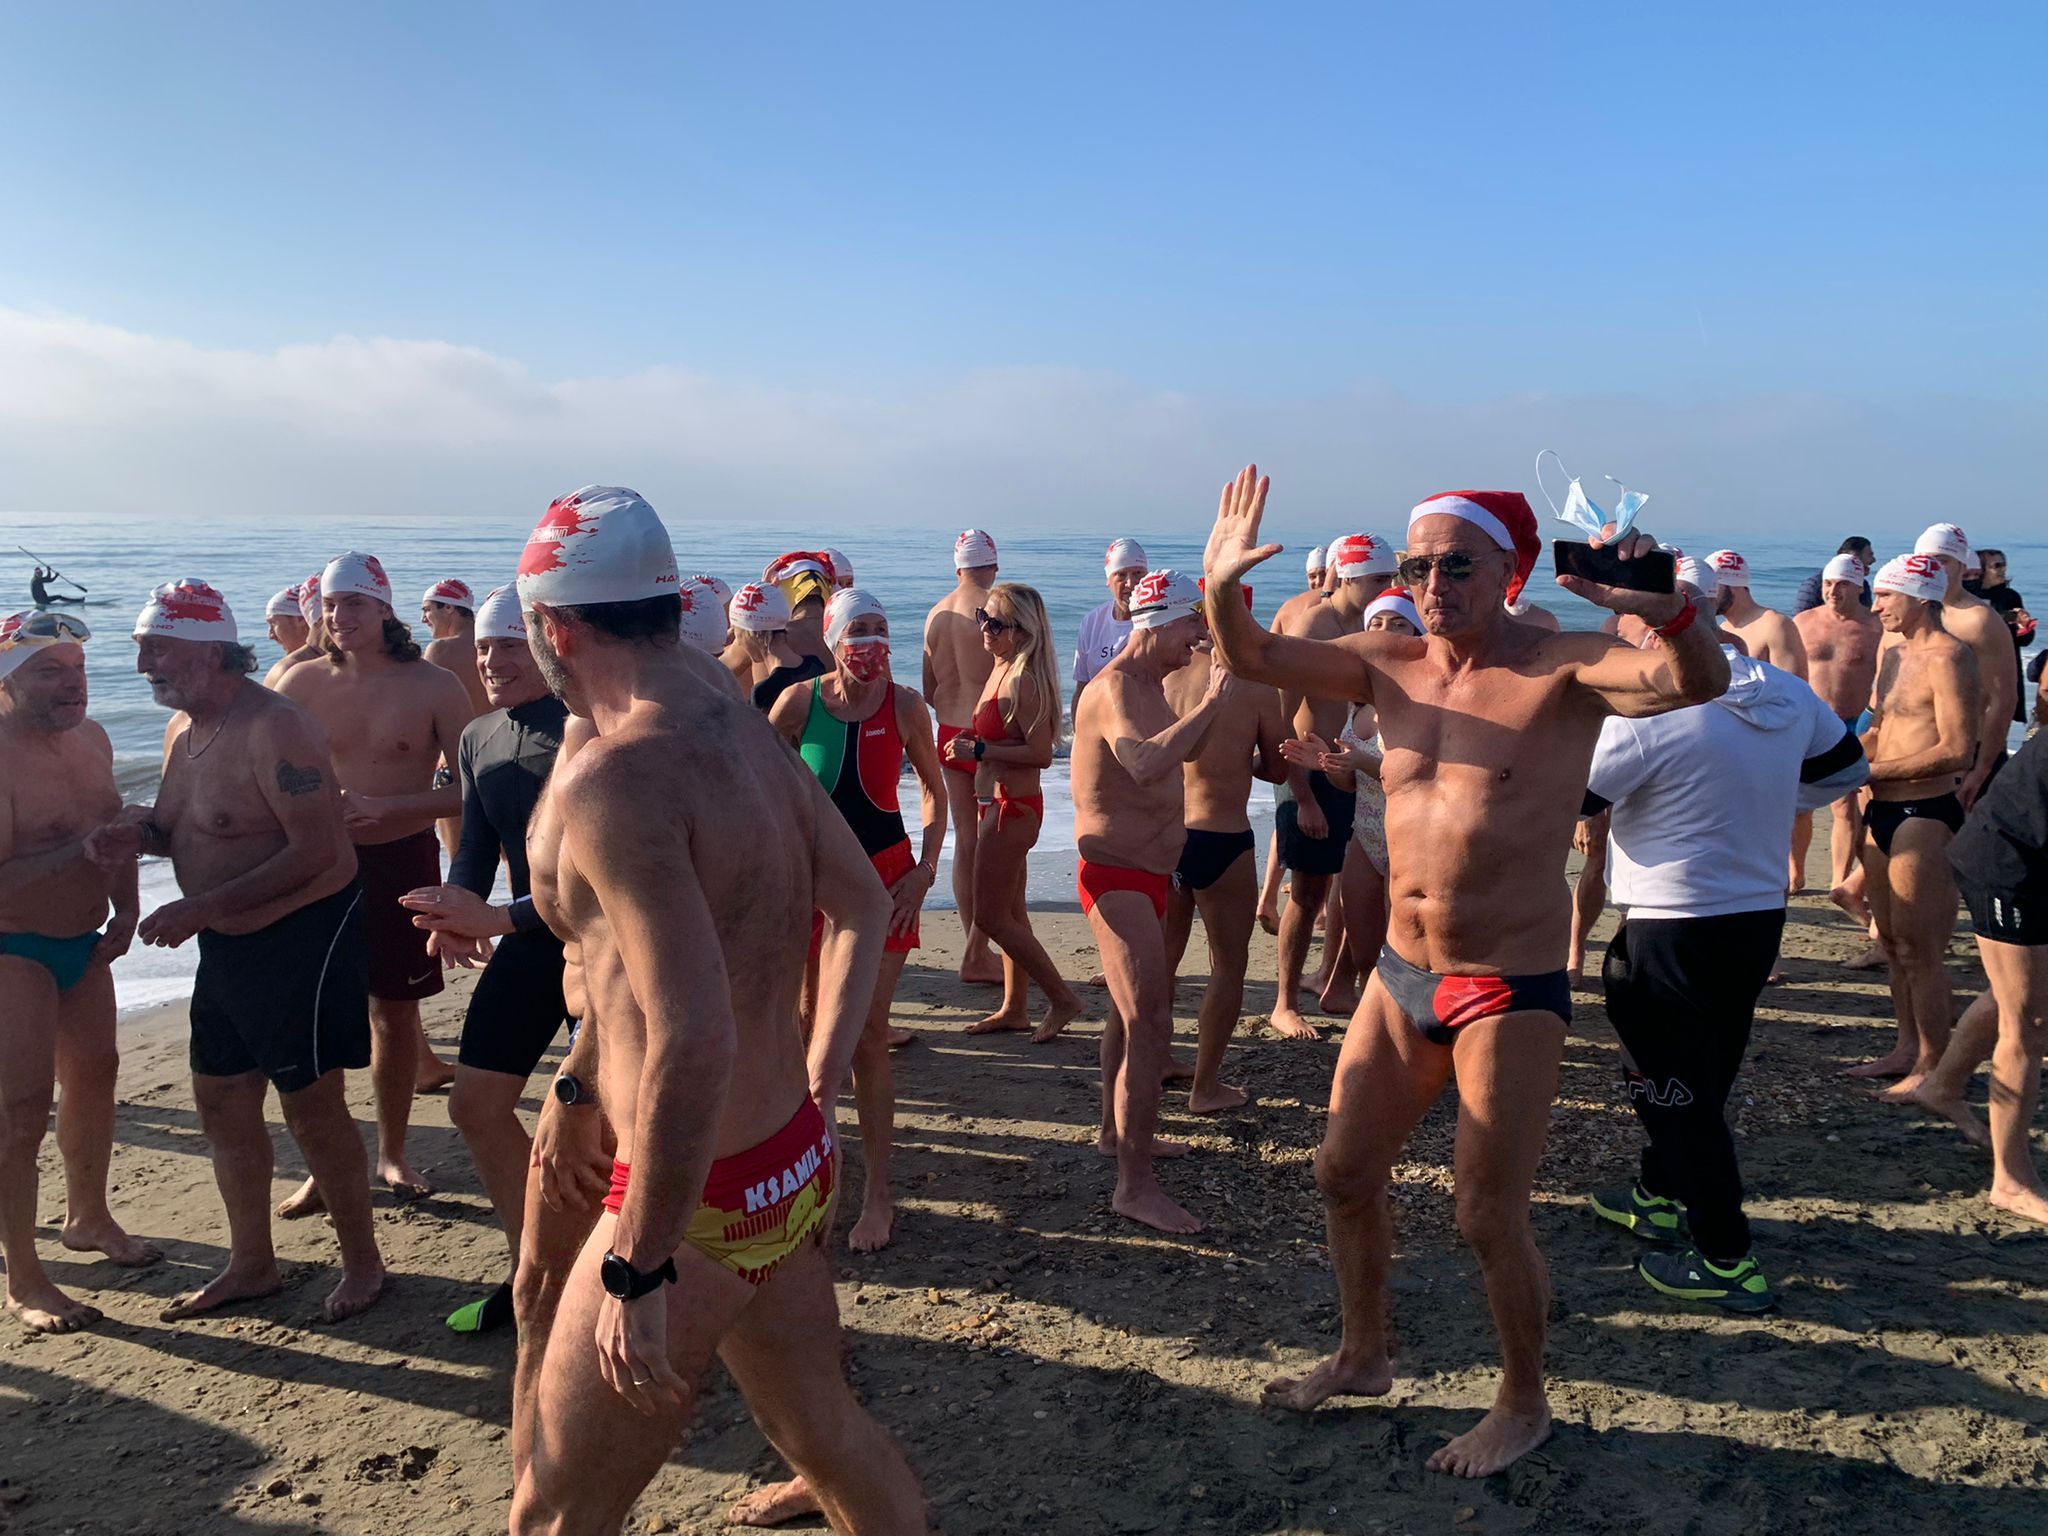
1054, 262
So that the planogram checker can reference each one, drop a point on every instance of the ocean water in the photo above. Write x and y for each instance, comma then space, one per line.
120, 559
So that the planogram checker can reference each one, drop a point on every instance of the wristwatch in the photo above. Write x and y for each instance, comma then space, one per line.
980, 747
570, 1092
622, 1282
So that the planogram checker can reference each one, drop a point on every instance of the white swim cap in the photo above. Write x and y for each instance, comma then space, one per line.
309, 599
1318, 560
724, 592
846, 606
1844, 568
1393, 600
1730, 569
498, 616
1699, 575
759, 609
1915, 575
704, 623
842, 568
1162, 597
602, 544
454, 593
283, 605
1362, 554
187, 609
357, 573
24, 636
972, 549
1943, 539
1124, 555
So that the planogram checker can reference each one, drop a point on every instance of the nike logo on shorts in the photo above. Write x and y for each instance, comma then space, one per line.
414, 981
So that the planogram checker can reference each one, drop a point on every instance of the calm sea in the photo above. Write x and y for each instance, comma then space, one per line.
120, 559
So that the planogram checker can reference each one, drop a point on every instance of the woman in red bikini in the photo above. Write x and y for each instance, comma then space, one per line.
1015, 728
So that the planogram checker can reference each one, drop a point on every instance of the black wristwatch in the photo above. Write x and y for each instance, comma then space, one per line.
570, 1092
980, 747
623, 1282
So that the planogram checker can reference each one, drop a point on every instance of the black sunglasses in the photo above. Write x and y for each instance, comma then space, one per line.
992, 625
1414, 570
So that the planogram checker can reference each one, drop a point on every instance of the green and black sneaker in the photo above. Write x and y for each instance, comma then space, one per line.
1740, 1287
1651, 1217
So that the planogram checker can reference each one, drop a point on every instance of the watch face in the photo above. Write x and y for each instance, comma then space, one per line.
567, 1089
616, 1275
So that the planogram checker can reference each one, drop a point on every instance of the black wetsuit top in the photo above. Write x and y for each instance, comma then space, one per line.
769, 689
504, 759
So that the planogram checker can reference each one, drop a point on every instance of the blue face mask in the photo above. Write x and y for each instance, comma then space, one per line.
1581, 511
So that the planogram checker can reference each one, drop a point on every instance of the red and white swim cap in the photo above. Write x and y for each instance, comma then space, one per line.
1394, 600
846, 606
842, 568
187, 609
1124, 555
454, 593
1944, 539
1361, 554
1844, 568
972, 550
1503, 516
1162, 597
704, 624
602, 544
356, 573
724, 592
309, 599
283, 605
1919, 575
1730, 569
1318, 559
759, 609
498, 616
1700, 575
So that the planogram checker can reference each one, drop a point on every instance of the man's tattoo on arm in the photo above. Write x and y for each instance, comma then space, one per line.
297, 781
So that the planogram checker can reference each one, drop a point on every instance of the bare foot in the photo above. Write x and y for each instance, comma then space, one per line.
1155, 1208
2027, 1204
1177, 1070
105, 1235
975, 976
226, 1288
1775, 979
997, 1022
1338, 1003
435, 1076
1955, 1110
400, 1179
1057, 1017
356, 1293
1335, 1377
1905, 1090
1097, 980
1896, 1064
45, 1309
1289, 1024
1162, 1146
872, 1231
774, 1505
303, 1201
899, 1038
1872, 959
1269, 920
1851, 902
1214, 1101
1496, 1441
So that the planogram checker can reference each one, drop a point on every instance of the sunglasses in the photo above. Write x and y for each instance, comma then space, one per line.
1414, 569
990, 625
51, 626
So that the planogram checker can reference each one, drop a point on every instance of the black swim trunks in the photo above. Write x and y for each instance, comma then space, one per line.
2014, 914
1316, 855
1885, 817
290, 1001
1207, 856
516, 1010
1440, 1006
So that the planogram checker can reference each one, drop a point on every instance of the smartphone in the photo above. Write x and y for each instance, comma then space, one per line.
1653, 572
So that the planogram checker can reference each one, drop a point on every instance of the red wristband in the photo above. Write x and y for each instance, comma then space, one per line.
1679, 623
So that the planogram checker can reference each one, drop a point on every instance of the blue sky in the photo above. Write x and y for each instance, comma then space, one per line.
1403, 250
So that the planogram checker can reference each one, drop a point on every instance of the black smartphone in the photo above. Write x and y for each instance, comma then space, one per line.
1654, 572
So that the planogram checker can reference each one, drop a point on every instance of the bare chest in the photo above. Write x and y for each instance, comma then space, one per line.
58, 794
1491, 732
1840, 644
379, 726
214, 794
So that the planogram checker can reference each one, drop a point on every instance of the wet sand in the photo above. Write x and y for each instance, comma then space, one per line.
1050, 1367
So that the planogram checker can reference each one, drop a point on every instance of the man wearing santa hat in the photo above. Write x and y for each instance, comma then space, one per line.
1489, 726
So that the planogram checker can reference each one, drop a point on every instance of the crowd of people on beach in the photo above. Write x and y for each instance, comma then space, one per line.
692, 797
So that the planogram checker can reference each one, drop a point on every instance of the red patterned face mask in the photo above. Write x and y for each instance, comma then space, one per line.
864, 659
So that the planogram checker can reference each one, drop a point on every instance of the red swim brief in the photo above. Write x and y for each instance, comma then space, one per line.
892, 864
946, 734
1098, 880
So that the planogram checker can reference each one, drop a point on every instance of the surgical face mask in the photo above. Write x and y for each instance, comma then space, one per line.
864, 659
1580, 510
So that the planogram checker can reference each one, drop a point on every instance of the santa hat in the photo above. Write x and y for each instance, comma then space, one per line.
1503, 516
1394, 600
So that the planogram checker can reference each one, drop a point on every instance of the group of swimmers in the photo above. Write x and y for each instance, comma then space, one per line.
696, 796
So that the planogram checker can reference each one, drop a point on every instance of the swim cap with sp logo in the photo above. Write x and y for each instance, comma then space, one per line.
760, 610
1944, 539
1361, 554
454, 593
602, 544
1918, 575
1162, 597
356, 573
972, 550
187, 609
498, 616
1730, 569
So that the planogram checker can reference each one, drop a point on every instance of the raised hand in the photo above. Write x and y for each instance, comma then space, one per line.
1654, 608
1234, 546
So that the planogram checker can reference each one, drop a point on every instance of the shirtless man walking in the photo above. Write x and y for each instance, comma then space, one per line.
1979, 626
448, 609
956, 669
1312, 827
694, 832
56, 991
1922, 739
391, 718
250, 818
1841, 637
1489, 726
1129, 825
1216, 871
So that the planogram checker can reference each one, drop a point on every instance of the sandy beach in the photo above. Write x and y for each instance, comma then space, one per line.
1050, 1367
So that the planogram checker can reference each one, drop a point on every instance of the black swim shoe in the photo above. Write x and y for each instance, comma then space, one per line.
485, 1316
1651, 1217
1739, 1287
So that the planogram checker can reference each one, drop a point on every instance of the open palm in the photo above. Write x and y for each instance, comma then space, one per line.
1234, 546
